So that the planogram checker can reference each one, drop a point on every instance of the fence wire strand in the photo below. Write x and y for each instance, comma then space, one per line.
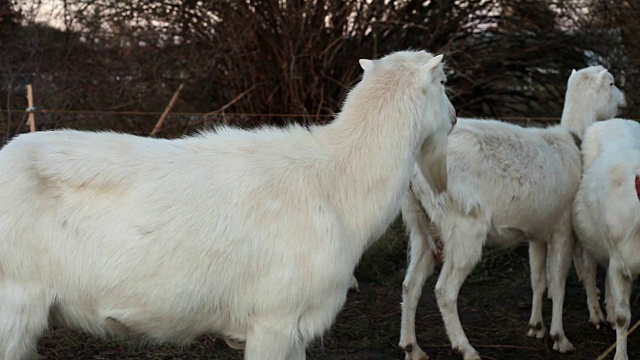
208, 114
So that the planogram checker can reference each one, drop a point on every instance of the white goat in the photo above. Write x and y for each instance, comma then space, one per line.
607, 218
253, 235
506, 184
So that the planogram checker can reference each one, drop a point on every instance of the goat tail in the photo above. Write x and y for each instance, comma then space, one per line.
419, 223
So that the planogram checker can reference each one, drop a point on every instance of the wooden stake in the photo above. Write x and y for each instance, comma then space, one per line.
166, 112
225, 106
31, 109
613, 347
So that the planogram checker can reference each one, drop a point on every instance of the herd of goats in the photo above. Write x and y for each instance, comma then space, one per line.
254, 235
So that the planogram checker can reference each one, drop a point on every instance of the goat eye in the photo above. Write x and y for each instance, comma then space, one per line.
442, 82
611, 84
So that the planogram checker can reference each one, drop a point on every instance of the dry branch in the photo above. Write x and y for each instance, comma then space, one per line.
613, 346
227, 105
166, 112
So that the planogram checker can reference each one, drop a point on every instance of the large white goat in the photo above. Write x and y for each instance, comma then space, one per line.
507, 184
607, 218
253, 235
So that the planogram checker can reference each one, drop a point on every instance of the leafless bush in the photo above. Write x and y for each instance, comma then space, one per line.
506, 57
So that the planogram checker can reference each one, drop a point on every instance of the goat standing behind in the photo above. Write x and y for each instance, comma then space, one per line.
507, 184
607, 218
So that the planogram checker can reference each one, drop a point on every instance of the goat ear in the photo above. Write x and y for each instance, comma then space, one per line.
573, 72
366, 64
601, 75
433, 63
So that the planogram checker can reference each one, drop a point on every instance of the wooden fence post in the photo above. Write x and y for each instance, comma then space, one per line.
166, 112
31, 110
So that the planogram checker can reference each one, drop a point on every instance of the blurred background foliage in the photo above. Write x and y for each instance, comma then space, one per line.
264, 61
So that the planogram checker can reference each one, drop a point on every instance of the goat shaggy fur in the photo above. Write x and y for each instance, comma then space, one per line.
252, 235
607, 219
507, 184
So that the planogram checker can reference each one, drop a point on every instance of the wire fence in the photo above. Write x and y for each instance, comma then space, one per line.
209, 114
178, 123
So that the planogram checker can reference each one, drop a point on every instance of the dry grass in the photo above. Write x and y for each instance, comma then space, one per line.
494, 305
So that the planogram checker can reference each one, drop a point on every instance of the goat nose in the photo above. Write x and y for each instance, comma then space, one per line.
622, 99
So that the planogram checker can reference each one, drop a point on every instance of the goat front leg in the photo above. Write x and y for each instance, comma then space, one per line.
24, 314
609, 303
561, 248
421, 265
298, 352
274, 337
596, 317
538, 262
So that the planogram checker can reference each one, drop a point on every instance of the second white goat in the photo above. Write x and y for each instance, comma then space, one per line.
507, 184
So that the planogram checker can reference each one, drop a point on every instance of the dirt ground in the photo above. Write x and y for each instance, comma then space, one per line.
494, 307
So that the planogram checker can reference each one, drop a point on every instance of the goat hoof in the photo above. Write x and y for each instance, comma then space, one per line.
562, 344
622, 356
413, 352
472, 356
468, 352
537, 331
596, 317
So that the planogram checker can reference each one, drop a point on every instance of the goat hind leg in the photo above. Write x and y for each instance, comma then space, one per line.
561, 248
447, 290
463, 250
538, 263
596, 317
620, 293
